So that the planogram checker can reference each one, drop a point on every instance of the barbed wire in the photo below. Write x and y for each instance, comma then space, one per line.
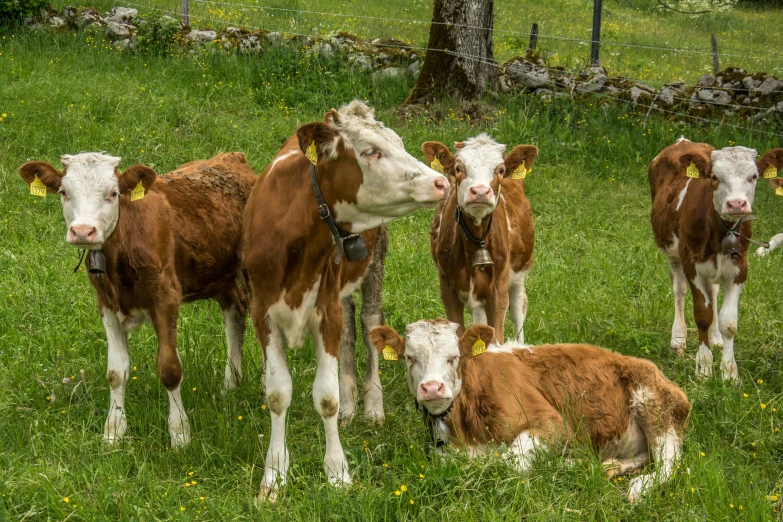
497, 65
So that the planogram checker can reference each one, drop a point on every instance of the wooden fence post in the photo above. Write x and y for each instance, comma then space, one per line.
715, 66
533, 38
184, 12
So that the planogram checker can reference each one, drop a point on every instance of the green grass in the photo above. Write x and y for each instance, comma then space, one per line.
598, 278
745, 36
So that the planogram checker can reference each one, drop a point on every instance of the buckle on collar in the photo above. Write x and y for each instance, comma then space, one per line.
323, 211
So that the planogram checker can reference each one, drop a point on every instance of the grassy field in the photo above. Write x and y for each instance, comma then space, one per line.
745, 36
598, 278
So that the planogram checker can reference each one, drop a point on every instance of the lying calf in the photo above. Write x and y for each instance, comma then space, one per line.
475, 393
776, 240
155, 242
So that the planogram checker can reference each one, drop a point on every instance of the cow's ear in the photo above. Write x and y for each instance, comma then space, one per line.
388, 342
48, 175
133, 175
770, 164
476, 340
695, 165
522, 157
322, 136
439, 157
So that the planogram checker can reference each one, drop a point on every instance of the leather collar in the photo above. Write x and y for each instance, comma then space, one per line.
730, 242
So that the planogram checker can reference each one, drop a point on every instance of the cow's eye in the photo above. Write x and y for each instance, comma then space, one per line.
410, 359
458, 168
714, 177
115, 194
454, 359
755, 177
371, 152
62, 193
501, 171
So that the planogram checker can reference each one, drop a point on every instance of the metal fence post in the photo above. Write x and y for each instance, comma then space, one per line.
594, 52
184, 12
533, 37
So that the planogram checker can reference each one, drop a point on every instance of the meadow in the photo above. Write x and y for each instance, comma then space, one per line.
598, 278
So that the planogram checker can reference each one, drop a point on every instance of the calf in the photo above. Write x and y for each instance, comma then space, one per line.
476, 392
482, 236
329, 181
777, 185
155, 242
701, 207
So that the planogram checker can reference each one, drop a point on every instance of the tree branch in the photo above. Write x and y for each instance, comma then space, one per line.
683, 12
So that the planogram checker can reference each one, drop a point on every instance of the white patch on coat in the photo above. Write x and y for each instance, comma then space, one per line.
295, 322
520, 453
682, 194
285, 155
89, 183
481, 155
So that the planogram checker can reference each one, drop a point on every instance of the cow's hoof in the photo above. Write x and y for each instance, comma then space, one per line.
268, 494
345, 416
729, 371
761, 251
374, 416
678, 345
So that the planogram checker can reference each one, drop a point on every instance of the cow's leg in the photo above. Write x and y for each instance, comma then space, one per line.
666, 450
234, 321
169, 368
348, 389
616, 467
716, 341
117, 370
279, 387
326, 390
680, 289
372, 316
455, 309
518, 303
728, 329
774, 242
520, 453
496, 307
702, 312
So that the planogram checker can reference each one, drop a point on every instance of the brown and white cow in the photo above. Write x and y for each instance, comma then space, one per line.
699, 195
158, 241
488, 200
366, 178
477, 393
777, 185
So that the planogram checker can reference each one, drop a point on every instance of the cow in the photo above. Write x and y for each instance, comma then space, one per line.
701, 206
776, 240
477, 394
154, 243
482, 235
309, 229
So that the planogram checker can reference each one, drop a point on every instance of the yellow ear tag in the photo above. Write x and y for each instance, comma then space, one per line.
37, 188
692, 171
779, 191
312, 154
437, 166
138, 192
389, 354
479, 347
771, 172
520, 172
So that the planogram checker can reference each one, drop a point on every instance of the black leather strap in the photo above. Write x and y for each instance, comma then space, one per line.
464, 226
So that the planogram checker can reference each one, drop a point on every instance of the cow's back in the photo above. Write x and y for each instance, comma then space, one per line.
667, 182
207, 198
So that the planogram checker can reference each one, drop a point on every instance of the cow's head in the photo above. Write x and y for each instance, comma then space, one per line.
90, 189
734, 172
771, 167
432, 353
376, 179
478, 167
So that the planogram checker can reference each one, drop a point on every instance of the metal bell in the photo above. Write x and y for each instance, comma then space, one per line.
97, 262
355, 248
482, 258
729, 245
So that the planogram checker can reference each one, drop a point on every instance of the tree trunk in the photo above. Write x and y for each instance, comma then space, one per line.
464, 28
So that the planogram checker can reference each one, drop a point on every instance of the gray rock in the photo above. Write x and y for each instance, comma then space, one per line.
528, 74
56, 21
69, 14
122, 15
714, 96
322, 49
376, 41
233, 32
594, 84
770, 85
88, 18
384, 58
250, 45
593, 70
677, 87
118, 31
706, 81
504, 83
360, 61
750, 83
667, 96
414, 57
126, 44
413, 69
275, 38
202, 37
636, 92
644, 87
389, 72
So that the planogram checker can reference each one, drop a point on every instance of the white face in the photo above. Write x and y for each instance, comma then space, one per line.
395, 183
478, 165
431, 357
736, 173
89, 193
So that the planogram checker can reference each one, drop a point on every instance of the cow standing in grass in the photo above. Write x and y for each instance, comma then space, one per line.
701, 205
477, 393
155, 242
486, 219
365, 178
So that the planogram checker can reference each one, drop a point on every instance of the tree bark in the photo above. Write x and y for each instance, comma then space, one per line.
464, 28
